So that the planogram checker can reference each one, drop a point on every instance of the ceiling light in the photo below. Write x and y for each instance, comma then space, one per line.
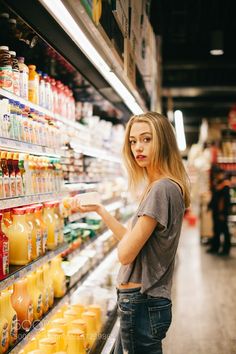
179, 128
67, 22
217, 43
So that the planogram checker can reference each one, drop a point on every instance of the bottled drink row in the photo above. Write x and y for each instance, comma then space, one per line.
28, 299
22, 123
23, 175
27, 232
35, 86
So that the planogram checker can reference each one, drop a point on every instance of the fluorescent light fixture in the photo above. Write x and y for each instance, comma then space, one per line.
64, 18
179, 128
216, 52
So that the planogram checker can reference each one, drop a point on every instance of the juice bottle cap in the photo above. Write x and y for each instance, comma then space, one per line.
76, 332
10, 155
38, 206
3, 154
18, 211
12, 53
49, 204
30, 209
12, 20
32, 67
16, 156
48, 341
55, 331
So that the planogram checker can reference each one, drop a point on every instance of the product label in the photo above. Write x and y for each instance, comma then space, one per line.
39, 305
24, 84
13, 186
45, 238
6, 124
6, 187
29, 247
13, 330
4, 336
5, 258
30, 313
19, 186
6, 81
38, 243
16, 82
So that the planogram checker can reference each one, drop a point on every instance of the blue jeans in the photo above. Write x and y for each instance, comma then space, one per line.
144, 321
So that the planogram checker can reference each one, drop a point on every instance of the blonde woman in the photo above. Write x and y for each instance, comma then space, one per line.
147, 249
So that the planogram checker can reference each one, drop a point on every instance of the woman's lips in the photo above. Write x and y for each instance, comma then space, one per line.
140, 157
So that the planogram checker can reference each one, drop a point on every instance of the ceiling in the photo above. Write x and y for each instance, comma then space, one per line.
193, 80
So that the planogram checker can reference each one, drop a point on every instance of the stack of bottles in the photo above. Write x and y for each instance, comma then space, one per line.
72, 330
27, 232
25, 124
23, 174
34, 86
28, 300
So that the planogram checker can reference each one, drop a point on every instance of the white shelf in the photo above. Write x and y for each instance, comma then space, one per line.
20, 146
20, 201
16, 275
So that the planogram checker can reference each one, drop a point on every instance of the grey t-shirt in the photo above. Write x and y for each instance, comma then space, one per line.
154, 265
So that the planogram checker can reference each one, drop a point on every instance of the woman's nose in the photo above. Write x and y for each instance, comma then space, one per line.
139, 146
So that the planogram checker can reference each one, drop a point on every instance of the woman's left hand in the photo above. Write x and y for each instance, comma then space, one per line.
87, 208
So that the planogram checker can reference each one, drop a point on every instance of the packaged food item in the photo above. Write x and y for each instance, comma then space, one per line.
5, 175
49, 219
33, 84
48, 345
15, 73
76, 342
4, 252
89, 198
36, 295
4, 331
58, 277
24, 78
10, 314
6, 81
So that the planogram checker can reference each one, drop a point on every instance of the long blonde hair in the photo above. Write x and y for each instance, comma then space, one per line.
166, 158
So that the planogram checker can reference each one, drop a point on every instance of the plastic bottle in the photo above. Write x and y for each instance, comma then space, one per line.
5, 118
36, 296
15, 73
90, 319
48, 345
10, 314
19, 238
24, 78
58, 335
76, 342
19, 181
23, 304
4, 328
35, 235
22, 172
42, 90
49, 219
12, 174
48, 284
33, 84
4, 252
43, 289
41, 225
58, 277
6, 178
6, 81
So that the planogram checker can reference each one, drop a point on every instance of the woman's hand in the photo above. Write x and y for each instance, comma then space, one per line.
88, 208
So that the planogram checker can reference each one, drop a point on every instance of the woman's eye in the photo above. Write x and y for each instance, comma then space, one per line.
146, 140
132, 142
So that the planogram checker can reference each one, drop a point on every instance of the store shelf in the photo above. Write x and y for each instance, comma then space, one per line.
30, 199
95, 152
19, 146
17, 272
110, 342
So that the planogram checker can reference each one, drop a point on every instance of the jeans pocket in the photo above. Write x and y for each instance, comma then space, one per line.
160, 319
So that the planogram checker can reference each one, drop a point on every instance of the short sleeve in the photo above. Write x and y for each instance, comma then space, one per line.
156, 204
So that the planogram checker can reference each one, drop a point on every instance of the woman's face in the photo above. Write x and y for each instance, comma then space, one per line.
140, 139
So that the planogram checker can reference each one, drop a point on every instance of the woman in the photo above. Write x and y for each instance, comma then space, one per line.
147, 249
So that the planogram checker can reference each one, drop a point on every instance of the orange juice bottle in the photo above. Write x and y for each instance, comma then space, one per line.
19, 238
35, 232
33, 84
48, 345
98, 312
49, 219
58, 277
23, 304
36, 296
4, 331
48, 284
90, 319
10, 314
41, 224
76, 342
57, 334
60, 222
43, 289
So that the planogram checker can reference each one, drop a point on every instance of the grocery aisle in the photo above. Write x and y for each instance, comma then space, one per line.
204, 288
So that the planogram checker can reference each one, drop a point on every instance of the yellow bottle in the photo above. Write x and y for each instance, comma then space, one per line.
48, 345
76, 342
90, 319
58, 335
49, 219
35, 237
42, 288
4, 331
10, 314
58, 277
81, 325
19, 238
36, 295
79, 308
70, 315
60, 323
47, 281
41, 224
98, 312
22, 304
59, 222
33, 84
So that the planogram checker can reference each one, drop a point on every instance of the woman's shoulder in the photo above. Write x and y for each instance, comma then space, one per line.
166, 183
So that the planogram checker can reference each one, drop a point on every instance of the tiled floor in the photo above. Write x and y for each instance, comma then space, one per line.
204, 300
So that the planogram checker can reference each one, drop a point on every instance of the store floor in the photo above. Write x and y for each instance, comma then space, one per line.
204, 300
